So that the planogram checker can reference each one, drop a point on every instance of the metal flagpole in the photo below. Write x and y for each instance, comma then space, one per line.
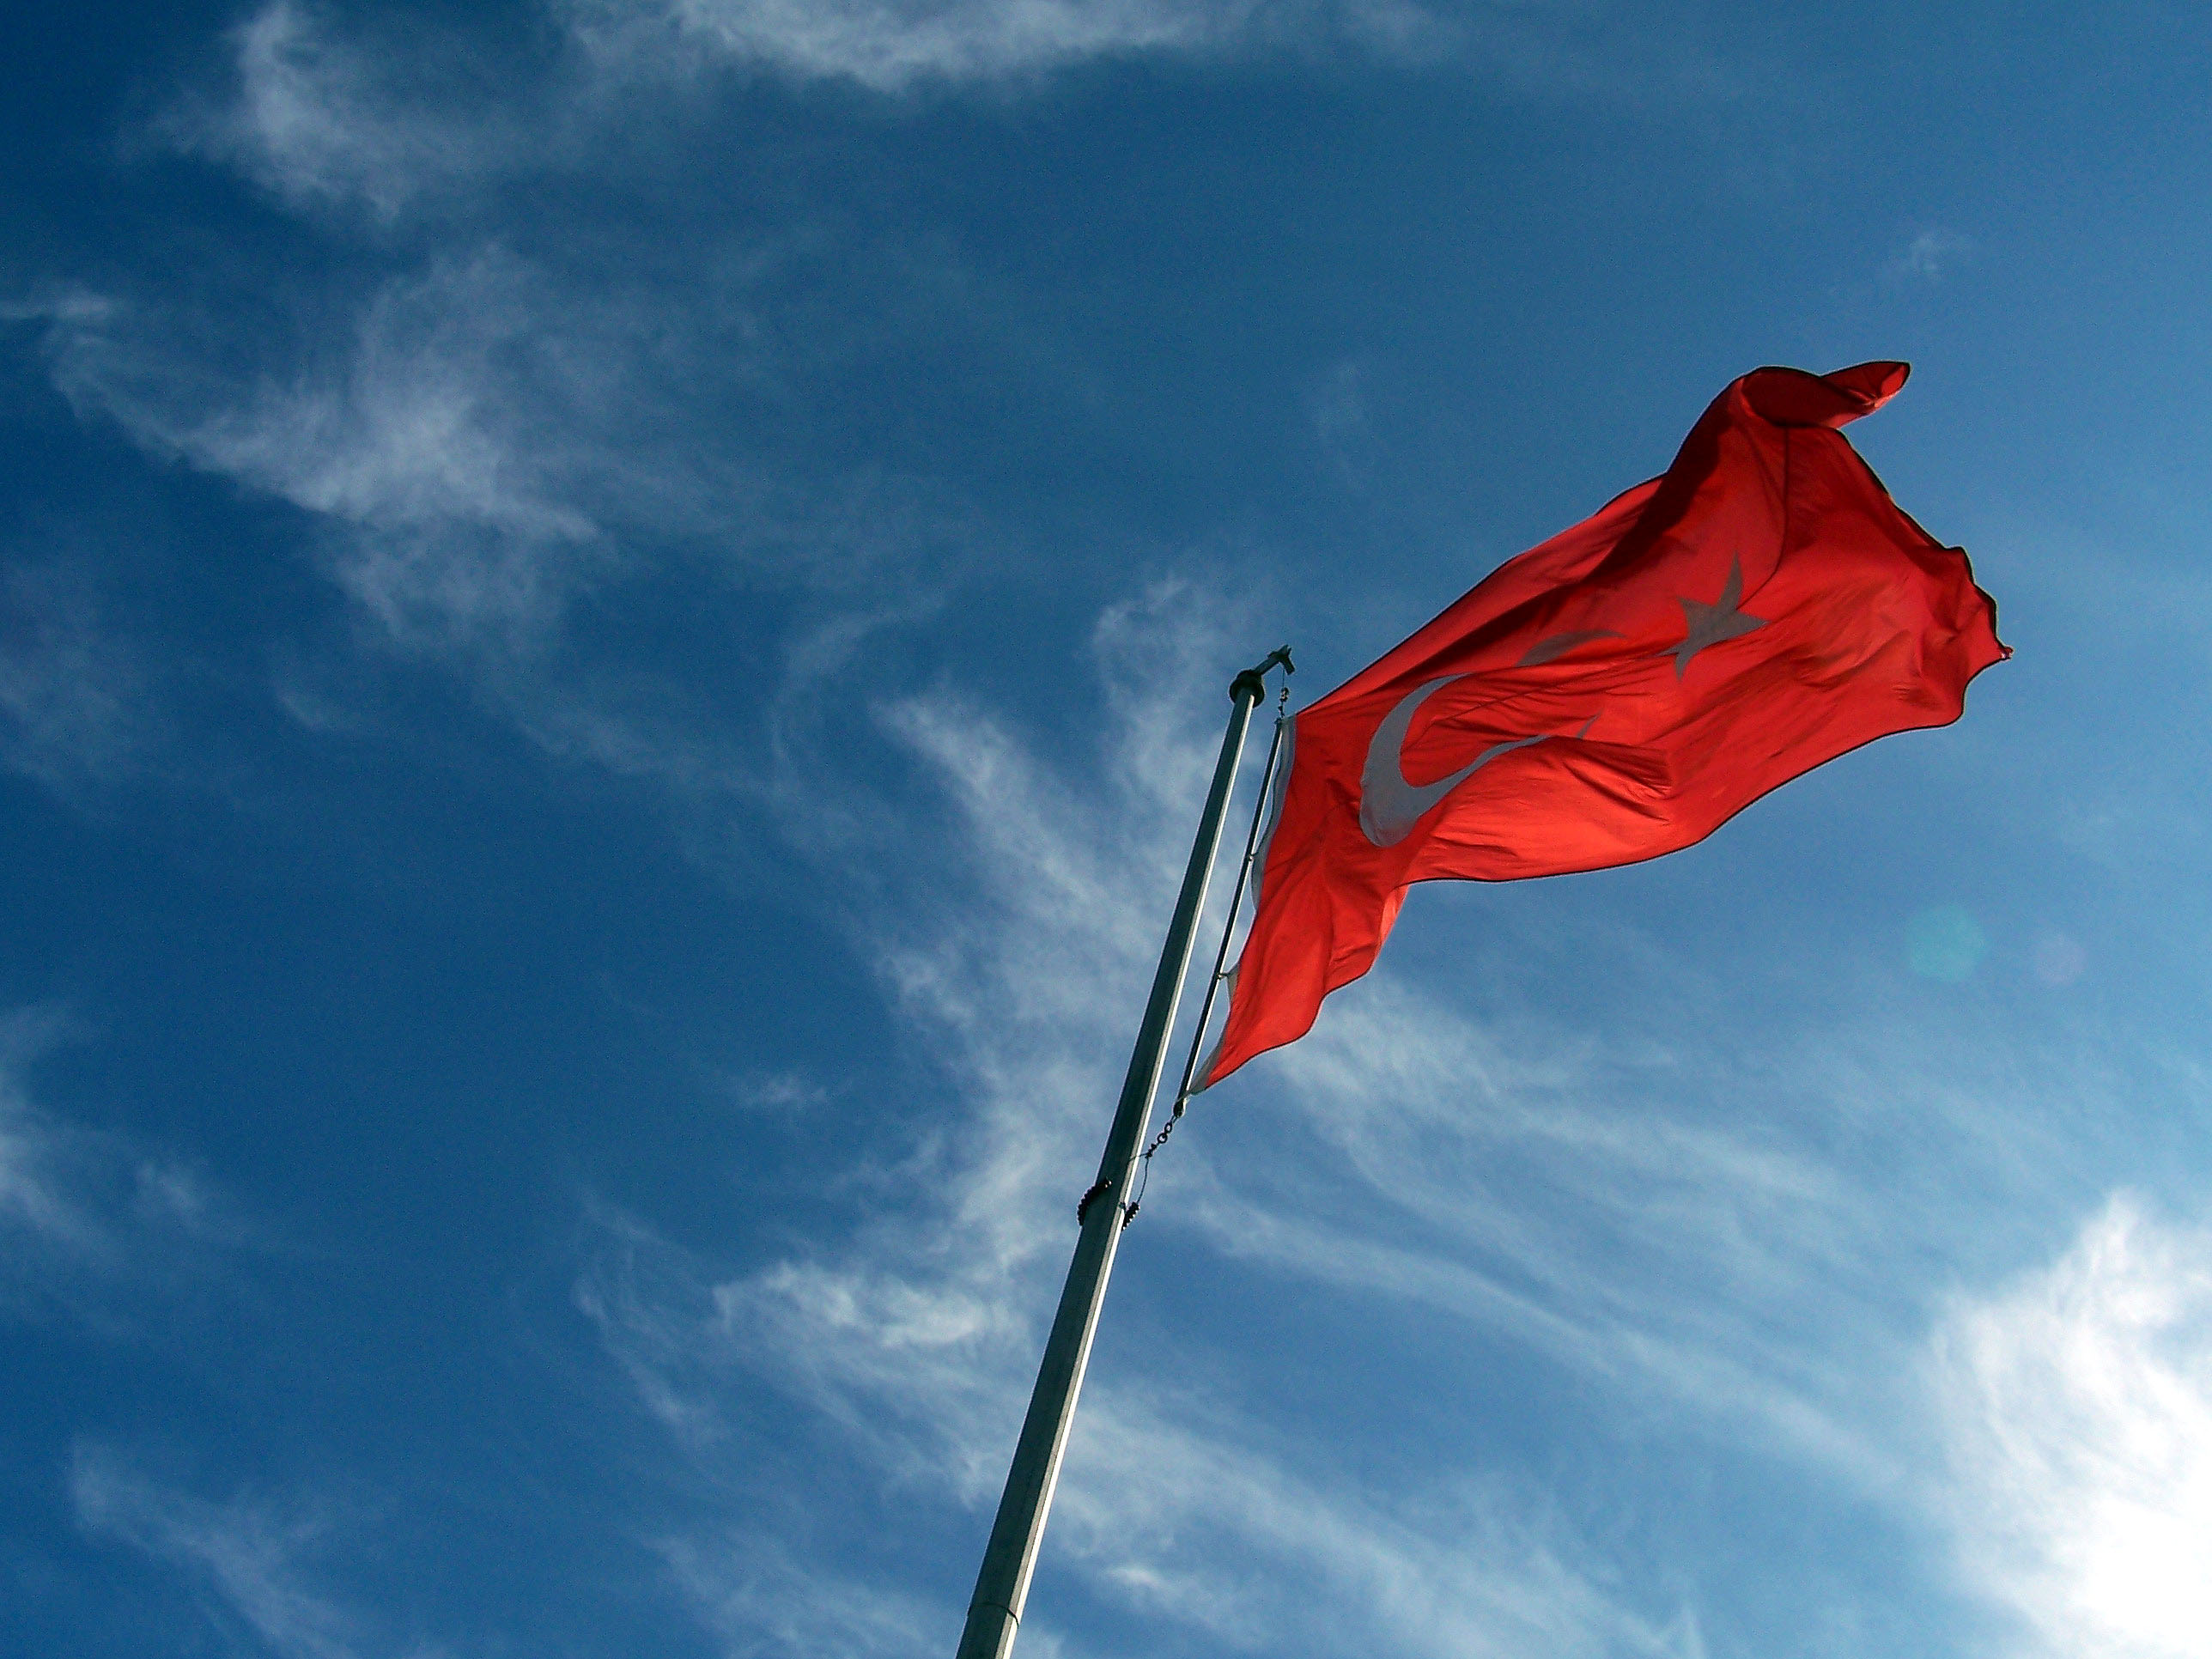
994, 1612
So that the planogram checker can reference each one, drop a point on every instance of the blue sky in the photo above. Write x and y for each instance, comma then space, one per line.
612, 616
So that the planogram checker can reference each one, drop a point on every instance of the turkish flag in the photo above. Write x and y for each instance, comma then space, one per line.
1619, 691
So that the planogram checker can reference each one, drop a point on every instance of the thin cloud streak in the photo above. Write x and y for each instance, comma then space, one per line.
320, 123
89, 1219
1459, 1567
888, 48
252, 1562
417, 443
489, 439
324, 121
1929, 256
1633, 56
1168, 1505
1585, 1201
77, 709
759, 1601
493, 436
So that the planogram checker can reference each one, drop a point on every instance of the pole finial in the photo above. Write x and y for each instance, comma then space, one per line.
1254, 679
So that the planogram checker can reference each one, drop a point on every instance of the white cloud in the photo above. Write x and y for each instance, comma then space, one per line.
485, 439
484, 435
75, 701
256, 1558
2078, 1404
440, 441
84, 1215
786, 1090
1167, 1504
1460, 1566
650, 1309
889, 44
322, 123
1337, 406
66, 305
321, 118
763, 1604
1928, 256
1585, 1200
1632, 55
324, 118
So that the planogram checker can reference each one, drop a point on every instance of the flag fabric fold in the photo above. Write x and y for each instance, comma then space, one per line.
1618, 691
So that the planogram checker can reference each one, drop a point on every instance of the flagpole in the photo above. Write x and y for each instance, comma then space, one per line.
1002, 1586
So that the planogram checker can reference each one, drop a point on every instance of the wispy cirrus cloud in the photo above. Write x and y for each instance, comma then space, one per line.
322, 121
76, 706
88, 1216
430, 440
484, 438
890, 45
1929, 256
498, 419
324, 115
1701, 1240
1632, 55
750, 1591
784, 1091
2078, 1407
256, 1565
1461, 1564
1170, 1505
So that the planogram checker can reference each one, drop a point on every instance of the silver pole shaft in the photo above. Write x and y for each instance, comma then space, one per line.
994, 1612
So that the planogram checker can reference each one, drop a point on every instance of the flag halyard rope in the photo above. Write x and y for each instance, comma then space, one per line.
1220, 960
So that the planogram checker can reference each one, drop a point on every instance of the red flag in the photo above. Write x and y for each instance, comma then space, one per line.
1619, 691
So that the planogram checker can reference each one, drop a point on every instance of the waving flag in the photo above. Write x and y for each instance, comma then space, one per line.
1618, 692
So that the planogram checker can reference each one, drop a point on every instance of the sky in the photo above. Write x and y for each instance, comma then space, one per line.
613, 616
